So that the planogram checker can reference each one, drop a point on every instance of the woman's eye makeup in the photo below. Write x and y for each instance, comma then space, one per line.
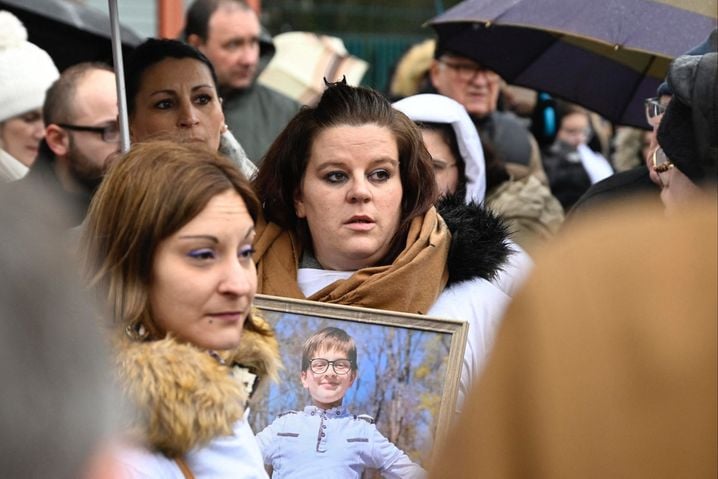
163, 104
203, 99
246, 252
201, 254
335, 176
380, 175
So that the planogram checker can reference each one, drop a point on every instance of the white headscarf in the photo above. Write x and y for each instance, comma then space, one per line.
433, 108
428, 107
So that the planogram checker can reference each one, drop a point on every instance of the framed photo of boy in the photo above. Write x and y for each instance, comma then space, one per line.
406, 373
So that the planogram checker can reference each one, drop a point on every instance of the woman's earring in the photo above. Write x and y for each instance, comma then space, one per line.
136, 331
224, 128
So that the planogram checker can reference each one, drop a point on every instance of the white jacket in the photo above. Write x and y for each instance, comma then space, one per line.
476, 301
10, 168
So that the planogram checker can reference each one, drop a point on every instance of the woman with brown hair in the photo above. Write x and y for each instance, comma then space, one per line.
347, 191
172, 93
168, 242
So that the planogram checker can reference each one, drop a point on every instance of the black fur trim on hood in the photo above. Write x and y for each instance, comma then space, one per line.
479, 240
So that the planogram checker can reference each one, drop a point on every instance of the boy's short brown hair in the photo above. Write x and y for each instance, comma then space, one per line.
329, 338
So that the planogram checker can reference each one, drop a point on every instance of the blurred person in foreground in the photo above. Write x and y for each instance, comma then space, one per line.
26, 71
168, 243
81, 136
228, 32
606, 364
58, 405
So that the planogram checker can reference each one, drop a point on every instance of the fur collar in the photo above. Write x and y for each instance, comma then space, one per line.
183, 397
479, 240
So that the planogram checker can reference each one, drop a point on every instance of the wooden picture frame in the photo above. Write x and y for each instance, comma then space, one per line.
409, 368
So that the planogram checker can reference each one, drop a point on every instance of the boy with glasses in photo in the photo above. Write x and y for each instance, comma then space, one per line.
325, 439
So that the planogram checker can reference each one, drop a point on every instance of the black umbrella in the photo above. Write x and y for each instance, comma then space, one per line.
70, 32
607, 56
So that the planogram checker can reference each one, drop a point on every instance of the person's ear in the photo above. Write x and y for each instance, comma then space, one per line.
305, 381
57, 139
299, 209
194, 40
353, 375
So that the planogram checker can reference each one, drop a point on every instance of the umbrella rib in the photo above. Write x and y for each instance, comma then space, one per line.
637, 83
558, 38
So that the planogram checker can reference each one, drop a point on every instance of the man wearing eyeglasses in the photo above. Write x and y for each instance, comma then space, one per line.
477, 89
685, 163
627, 184
81, 134
643, 180
655, 107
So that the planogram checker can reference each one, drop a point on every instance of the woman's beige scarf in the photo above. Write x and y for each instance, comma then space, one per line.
411, 284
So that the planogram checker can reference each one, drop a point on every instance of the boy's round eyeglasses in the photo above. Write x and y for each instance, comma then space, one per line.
321, 365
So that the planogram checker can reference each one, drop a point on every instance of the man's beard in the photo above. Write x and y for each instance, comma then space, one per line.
84, 170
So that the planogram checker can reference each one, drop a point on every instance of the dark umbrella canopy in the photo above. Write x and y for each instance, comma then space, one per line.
606, 56
69, 32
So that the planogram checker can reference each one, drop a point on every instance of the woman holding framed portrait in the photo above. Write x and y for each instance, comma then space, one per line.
348, 191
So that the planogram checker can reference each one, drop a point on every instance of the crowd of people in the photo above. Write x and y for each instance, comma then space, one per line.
589, 287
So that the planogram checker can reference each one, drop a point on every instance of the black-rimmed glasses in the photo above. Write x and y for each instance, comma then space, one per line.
467, 71
109, 133
321, 365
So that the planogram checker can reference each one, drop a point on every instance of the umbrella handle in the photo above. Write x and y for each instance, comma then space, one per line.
119, 75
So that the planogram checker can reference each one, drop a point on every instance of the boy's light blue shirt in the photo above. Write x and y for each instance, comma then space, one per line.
331, 443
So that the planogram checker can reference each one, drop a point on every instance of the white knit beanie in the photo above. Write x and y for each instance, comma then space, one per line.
26, 71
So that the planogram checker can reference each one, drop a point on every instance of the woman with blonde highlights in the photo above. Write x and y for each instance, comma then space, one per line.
169, 240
